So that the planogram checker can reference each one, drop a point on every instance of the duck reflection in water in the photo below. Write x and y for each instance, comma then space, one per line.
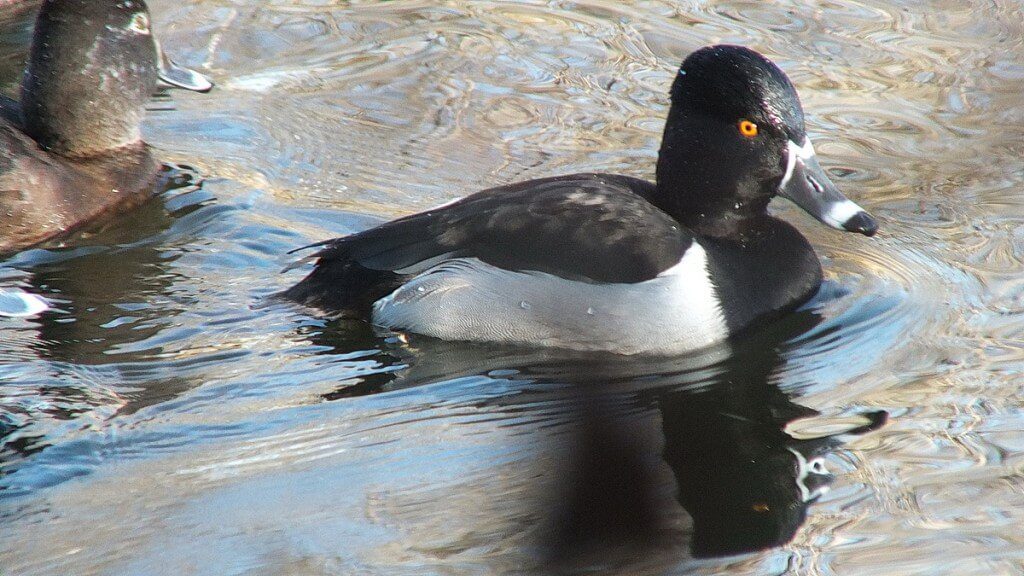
724, 453
700, 456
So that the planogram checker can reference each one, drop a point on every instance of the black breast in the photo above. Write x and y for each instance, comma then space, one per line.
767, 271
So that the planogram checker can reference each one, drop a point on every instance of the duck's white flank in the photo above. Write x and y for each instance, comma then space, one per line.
466, 299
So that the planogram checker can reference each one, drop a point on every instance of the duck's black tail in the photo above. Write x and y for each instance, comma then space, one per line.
343, 288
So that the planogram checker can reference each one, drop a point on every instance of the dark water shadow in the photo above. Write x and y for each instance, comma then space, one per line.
100, 287
695, 454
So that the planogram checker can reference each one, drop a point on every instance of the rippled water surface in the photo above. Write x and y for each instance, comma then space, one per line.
158, 420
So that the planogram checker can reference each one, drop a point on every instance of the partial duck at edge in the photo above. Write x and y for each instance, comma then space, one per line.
71, 150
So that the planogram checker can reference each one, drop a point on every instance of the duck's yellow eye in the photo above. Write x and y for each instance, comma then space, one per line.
748, 128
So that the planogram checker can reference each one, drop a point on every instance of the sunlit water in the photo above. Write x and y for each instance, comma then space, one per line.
160, 420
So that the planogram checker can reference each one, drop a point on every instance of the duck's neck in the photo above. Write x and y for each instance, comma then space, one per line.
714, 219
709, 206
83, 103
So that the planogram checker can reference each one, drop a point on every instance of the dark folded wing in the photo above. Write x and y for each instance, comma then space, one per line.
591, 227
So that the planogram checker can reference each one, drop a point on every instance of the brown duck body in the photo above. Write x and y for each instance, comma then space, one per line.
44, 196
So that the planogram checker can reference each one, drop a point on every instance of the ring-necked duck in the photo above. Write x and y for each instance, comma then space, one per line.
72, 149
609, 262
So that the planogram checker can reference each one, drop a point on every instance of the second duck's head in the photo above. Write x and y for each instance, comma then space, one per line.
734, 138
92, 67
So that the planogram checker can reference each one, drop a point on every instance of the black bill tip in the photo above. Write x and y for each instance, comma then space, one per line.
861, 222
